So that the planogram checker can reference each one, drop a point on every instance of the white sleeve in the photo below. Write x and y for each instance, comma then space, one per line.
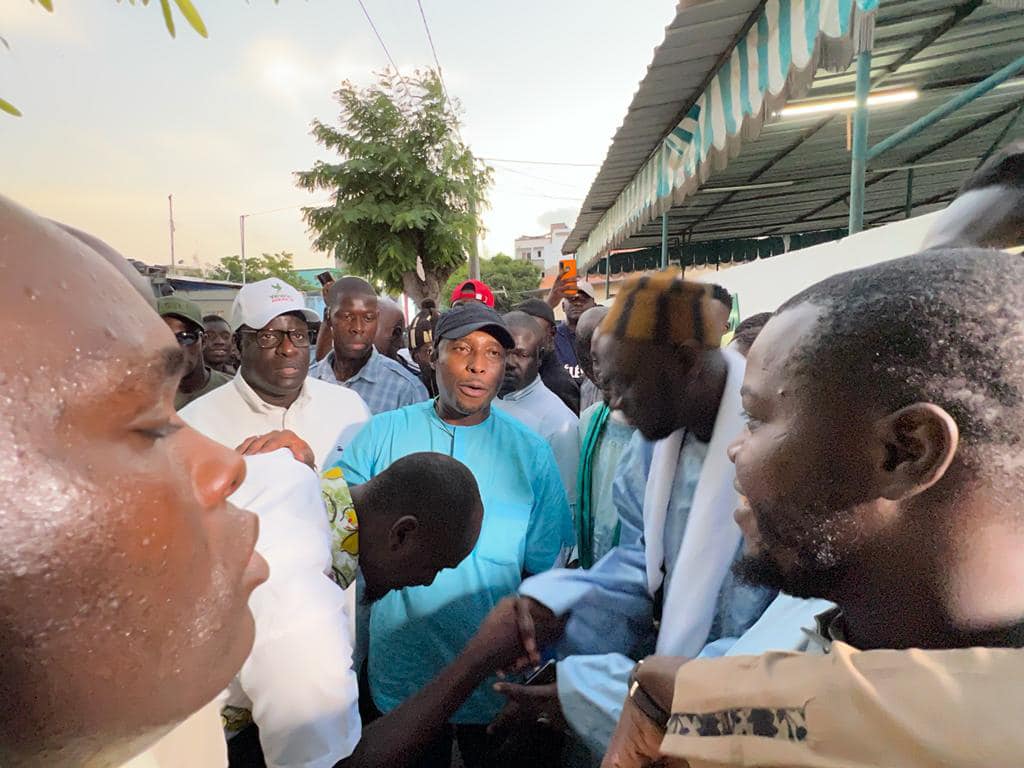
299, 676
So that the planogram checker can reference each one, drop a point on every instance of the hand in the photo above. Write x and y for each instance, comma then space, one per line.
283, 438
496, 644
557, 292
537, 626
326, 289
529, 703
637, 740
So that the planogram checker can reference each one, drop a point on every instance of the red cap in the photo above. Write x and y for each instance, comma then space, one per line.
475, 290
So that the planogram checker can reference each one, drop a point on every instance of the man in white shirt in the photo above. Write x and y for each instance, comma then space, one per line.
524, 396
271, 390
401, 528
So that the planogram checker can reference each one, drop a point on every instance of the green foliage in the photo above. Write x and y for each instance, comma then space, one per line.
512, 281
185, 7
277, 265
406, 187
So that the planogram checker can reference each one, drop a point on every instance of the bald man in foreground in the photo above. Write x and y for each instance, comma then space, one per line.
112, 582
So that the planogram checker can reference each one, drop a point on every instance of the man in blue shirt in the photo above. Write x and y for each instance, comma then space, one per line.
354, 362
527, 528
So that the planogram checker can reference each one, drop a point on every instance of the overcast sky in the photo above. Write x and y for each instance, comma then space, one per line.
117, 115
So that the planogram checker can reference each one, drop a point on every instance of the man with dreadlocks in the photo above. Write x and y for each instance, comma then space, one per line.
662, 366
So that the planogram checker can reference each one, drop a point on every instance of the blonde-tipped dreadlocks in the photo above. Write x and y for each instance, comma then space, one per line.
664, 309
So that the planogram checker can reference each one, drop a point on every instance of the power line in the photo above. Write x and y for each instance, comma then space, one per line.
539, 162
538, 178
382, 45
437, 62
285, 208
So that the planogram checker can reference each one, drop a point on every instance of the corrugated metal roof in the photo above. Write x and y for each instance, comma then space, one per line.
797, 171
694, 44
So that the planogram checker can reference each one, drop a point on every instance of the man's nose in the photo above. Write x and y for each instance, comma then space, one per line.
286, 347
477, 363
734, 449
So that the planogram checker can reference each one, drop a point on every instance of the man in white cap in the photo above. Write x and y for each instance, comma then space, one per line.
271, 390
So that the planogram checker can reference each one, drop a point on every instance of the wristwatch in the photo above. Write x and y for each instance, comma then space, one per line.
643, 701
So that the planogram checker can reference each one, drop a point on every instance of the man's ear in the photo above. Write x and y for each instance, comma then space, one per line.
920, 442
401, 531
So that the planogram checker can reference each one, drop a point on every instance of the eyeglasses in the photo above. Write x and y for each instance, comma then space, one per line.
188, 338
271, 339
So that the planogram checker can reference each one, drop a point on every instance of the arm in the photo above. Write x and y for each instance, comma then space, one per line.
357, 461
903, 709
637, 739
550, 532
415, 392
611, 610
298, 676
325, 341
566, 445
398, 738
557, 292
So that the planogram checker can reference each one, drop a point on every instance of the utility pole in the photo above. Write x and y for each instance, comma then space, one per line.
170, 211
474, 255
241, 230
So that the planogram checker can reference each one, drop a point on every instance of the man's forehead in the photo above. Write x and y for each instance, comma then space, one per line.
355, 296
479, 338
285, 322
778, 344
74, 302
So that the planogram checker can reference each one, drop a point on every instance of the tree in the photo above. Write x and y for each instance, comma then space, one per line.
277, 265
185, 7
512, 281
406, 193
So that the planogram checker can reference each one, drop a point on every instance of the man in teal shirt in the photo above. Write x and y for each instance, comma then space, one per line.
527, 527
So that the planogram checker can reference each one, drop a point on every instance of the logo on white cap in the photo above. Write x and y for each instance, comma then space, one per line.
258, 303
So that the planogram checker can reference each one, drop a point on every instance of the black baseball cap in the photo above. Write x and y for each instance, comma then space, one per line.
537, 308
462, 320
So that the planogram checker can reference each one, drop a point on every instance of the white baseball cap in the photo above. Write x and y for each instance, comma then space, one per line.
256, 304
587, 288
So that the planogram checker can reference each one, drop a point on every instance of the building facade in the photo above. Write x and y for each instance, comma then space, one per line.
543, 250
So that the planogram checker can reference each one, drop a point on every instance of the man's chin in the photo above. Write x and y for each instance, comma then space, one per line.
761, 570
372, 594
654, 432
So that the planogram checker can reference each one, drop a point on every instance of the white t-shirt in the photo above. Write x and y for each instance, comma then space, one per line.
298, 681
324, 415
197, 742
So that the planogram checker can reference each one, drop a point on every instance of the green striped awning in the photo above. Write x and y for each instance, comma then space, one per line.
775, 61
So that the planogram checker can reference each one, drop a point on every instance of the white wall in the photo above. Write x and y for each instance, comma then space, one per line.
764, 284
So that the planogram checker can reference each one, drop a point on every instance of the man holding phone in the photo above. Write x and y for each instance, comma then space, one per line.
576, 296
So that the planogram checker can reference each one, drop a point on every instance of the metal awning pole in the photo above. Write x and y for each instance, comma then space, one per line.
908, 208
664, 240
859, 149
961, 99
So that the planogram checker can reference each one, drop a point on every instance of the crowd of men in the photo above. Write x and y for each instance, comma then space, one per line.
633, 537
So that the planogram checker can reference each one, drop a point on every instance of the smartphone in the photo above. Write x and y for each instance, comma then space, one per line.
567, 268
325, 278
544, 674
